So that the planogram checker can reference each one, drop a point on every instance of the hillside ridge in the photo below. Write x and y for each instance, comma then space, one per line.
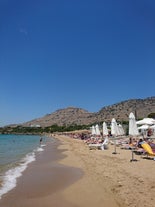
78, 116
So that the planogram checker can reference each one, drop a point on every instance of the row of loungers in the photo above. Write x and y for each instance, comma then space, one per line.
139, 146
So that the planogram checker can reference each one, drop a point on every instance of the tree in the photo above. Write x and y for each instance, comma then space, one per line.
151, 115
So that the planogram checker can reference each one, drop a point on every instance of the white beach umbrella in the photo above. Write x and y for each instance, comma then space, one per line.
105, 129
114, 128
121, 130
97, 130
93, 131
145, 126
148, 121
118, 130
114, 132
133, 129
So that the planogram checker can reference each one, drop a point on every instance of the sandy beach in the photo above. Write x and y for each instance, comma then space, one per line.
68, 174
109, 179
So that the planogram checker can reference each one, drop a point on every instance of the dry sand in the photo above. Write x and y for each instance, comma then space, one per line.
110, 179
74, 176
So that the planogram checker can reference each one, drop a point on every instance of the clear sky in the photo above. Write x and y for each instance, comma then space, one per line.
81, 53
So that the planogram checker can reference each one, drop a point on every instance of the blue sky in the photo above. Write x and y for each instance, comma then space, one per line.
82, 53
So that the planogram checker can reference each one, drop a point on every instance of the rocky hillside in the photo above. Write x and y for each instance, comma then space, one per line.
61, 117
119, 111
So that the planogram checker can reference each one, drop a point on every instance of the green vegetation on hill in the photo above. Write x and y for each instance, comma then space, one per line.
40, 130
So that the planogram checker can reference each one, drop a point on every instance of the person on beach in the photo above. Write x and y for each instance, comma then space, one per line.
139, 143
41, 139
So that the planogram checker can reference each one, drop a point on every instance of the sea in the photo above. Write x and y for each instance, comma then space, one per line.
16, 152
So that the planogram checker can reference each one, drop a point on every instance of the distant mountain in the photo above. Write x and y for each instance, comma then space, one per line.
120, 111
61, 117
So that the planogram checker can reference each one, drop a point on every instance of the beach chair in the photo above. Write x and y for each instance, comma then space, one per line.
105, 144
94, 146
101, 146
148, 149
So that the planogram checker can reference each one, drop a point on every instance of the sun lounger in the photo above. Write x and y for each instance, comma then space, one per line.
105, 144
101, 146
148, 149
95, 146
139, 151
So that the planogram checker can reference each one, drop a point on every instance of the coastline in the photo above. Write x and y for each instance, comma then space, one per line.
68, 174
42, 183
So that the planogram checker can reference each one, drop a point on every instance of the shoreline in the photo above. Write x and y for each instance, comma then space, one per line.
68, 174
42, 183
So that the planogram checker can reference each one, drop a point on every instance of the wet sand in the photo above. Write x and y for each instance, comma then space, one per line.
43, 181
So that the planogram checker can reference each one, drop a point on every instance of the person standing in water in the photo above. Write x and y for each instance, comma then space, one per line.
41, 139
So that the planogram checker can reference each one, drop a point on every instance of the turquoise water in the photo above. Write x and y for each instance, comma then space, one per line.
16, 152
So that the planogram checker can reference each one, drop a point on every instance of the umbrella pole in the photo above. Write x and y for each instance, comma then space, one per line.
132, 159
114, 147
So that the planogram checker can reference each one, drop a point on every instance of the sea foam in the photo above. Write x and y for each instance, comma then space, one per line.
10, 177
